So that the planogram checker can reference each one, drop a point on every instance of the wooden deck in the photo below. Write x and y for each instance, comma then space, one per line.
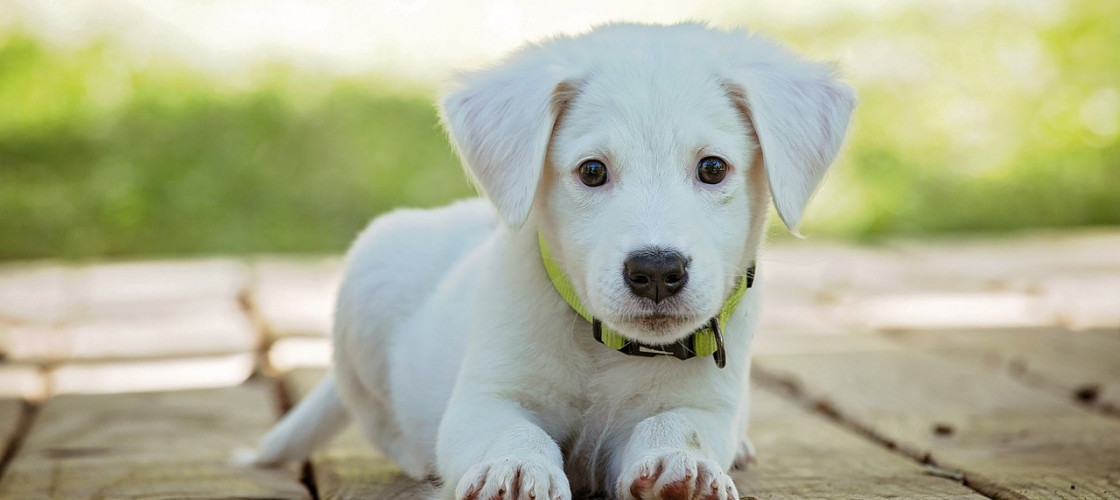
949, 370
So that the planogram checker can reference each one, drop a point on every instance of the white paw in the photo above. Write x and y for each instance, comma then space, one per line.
514, 479
676, 475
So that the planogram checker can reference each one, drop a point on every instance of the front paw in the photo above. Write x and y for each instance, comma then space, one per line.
675, 475
514, 479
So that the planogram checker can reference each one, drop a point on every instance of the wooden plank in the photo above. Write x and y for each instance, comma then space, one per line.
1084, 300
124, 310
11, 410
152, 374
1012, 261
35, 293
185, 328
295, 297
118, 288
801, 456
153, 445
1075, 275
349, 467
1009, 439
939, 309
1083, 365
289, 353
1042, 280
766, 342
23, 380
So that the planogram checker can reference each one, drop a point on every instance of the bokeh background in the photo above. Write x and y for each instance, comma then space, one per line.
185, 127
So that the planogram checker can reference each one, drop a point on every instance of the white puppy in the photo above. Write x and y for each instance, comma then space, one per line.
535, 351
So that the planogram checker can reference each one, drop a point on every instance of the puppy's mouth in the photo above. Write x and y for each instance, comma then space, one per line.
662, 326
659, 321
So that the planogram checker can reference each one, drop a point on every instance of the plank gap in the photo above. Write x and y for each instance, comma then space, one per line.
989, 349
285, 401
1086, 396
992, 490
307, 477
27, 414
248, 304
791, 390
174, 444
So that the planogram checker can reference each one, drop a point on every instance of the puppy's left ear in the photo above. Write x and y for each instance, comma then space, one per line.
800, 114
500, 121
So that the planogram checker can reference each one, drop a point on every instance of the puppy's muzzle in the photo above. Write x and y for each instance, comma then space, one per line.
655, 273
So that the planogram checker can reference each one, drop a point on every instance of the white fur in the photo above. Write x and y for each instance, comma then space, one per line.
458, 357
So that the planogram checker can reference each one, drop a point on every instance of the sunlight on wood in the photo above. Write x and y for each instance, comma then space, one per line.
296, 297
299, 352
951, 310
25, 381
152, 375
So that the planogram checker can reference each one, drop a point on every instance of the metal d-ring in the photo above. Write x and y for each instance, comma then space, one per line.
721, 353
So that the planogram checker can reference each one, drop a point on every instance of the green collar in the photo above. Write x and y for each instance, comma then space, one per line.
706, 341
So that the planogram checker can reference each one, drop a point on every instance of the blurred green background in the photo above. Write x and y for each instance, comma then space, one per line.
987, 120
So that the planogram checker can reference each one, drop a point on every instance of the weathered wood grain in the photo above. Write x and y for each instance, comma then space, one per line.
154, 445
1083, 365
801, 456
349, 467
1009, 439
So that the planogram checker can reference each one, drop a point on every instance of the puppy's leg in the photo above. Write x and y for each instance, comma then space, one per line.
680, 454
490, 449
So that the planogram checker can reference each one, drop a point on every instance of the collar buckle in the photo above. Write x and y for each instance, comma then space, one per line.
682, 349
721, 352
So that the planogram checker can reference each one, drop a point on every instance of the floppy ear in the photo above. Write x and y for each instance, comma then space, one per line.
800, 114
500, 120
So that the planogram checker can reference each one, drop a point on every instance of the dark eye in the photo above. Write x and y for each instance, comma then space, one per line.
593, 173
711, 170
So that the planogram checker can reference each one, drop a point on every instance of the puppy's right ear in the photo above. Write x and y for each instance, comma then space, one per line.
501, 120
799, 112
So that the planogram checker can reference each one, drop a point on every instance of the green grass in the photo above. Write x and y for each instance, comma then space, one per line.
991, 121
181, 167
101, 160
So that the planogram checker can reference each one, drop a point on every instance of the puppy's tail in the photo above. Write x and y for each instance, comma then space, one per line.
315, 420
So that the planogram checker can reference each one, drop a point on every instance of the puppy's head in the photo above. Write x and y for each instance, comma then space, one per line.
646, 155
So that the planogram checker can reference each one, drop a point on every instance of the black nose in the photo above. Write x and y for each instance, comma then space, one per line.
655, 274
